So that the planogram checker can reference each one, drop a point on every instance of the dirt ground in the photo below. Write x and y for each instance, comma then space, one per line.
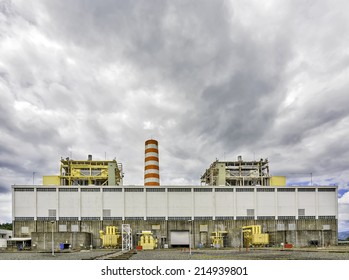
334, 253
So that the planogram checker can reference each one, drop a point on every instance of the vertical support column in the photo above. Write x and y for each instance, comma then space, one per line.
192, 203
57, 205
124, 203
36, 203
102, 203
316, 203
146, 203
255, 203
276, 203
80, 210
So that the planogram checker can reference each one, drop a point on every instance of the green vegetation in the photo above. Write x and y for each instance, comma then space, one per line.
7, 226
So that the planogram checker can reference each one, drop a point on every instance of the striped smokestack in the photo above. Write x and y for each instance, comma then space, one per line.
151, 167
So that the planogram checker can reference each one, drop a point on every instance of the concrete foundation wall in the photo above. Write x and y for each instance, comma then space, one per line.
300, 233
42, 241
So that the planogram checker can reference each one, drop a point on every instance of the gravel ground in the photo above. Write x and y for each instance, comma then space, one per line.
28, 255
181, 254
243, 255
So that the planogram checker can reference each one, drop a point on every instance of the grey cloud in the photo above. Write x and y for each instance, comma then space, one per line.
210, 79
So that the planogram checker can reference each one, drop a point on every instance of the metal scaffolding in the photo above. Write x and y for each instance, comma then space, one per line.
126, 237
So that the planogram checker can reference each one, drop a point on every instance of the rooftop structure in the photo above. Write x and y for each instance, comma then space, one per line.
240, 173
87, 172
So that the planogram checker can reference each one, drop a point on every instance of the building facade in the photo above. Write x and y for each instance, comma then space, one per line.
301, 216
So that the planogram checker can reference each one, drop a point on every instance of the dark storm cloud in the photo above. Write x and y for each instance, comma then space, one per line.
207, 80
4, 189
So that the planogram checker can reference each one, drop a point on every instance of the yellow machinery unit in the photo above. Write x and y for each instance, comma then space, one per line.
217, 238
147, 241
111, 237
253, 236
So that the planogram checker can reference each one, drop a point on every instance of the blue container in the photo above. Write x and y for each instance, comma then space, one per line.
61, 246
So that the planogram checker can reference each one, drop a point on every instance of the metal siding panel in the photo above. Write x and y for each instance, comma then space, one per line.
25, 204
307, 201
69, 204
203, 204
244, 200
114, 202
91, 204
286, 203
224, 203
180, 204
266, 204
45, 201
156, 204
134, 204
327, 203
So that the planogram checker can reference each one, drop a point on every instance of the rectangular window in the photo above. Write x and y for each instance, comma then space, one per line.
306, 189
155, 190
326, 189
222, 218
25, 230
106, 213
280, 227
244, 189
62, 228
286, 189
265, 217
90, 189
179, 190
202, 190
203, 218
301, 212
68, 189
68, 218
52, 213
134, 190
250, 212
291, 226
286, 217
112, 189
156, 218
265, 189
90, 218
134, 218
46, 189
179, 218
224, 190
24, 189
75, 228
327, 217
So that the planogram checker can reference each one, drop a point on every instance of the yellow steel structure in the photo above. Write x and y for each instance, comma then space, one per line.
147, 241
217, 238
278, 181
53, 180
253, 236
111, 237
87, 172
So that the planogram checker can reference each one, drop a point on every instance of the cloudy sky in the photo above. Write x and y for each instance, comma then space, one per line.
207, 79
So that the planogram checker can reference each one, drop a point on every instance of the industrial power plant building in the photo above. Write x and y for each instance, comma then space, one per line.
88, 198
